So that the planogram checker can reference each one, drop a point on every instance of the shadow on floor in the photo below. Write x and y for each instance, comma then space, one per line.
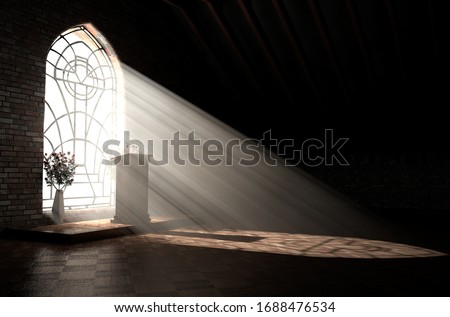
237, 238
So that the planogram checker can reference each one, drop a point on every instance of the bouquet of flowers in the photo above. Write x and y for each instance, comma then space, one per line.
60, 169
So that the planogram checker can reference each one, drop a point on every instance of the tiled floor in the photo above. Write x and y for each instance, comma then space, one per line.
187, 262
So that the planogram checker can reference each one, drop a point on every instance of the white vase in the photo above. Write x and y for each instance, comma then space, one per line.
58, 207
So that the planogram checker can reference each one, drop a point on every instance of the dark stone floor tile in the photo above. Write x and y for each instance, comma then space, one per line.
124, 290
189, 285
154, 287
157, 294
112, 272
229, 283
78, 268
77, 275
202, 292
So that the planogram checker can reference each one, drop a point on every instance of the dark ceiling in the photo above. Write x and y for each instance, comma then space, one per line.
295, 66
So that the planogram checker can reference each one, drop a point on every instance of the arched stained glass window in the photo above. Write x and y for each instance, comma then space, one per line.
80, 108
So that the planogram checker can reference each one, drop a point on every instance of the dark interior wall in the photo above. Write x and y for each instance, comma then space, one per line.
374, 71
402, 183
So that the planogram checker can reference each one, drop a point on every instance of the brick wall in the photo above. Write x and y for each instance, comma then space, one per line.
393, 181
21, 117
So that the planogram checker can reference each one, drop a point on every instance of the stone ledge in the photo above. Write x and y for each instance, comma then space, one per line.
68, 233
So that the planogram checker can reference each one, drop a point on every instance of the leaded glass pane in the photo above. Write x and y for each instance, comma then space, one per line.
80, 103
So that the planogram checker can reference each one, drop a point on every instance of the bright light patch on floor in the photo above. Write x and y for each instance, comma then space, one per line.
292, 244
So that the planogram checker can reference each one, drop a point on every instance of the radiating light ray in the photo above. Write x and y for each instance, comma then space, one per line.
260, 197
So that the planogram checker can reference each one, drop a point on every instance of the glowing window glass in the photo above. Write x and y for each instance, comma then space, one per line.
80, 107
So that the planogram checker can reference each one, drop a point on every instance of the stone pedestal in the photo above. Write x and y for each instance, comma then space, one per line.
132, 189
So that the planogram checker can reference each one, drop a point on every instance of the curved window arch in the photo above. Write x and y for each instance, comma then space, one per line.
80, 113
